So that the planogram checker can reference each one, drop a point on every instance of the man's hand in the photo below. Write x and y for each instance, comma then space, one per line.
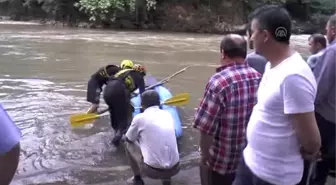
309, 156
204, 157
204, 161
93, 109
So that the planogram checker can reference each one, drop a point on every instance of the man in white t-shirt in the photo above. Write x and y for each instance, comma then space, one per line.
282, 129
153, 131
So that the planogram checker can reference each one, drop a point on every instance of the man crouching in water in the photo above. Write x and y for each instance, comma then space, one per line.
151, 144
120, 83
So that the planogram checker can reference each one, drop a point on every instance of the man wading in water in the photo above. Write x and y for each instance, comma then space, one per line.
120, 83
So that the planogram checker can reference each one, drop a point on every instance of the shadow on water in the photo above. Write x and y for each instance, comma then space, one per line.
43, 80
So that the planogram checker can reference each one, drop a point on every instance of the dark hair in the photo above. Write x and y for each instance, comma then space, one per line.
332, 20
234, 47
319, 38
275, 19
150, 98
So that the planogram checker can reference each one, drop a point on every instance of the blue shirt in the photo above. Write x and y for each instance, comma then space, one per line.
312, 59
10, 134
257, 62
325, 77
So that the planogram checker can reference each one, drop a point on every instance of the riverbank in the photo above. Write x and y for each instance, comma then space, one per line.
192, 16
299, 27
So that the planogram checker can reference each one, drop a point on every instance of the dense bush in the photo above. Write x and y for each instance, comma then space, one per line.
105, 10
195, 14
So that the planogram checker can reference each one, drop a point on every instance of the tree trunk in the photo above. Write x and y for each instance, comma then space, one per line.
140, 12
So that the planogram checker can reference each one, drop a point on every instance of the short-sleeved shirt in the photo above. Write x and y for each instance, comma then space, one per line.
10, 134
272, 152
224, 112
154, 130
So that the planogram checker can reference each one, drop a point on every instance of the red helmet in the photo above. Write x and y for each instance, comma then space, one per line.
140, 68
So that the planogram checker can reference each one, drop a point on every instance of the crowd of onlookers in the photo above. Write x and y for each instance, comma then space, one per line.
266, 118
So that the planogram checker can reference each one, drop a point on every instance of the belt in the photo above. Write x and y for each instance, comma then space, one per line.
160, 169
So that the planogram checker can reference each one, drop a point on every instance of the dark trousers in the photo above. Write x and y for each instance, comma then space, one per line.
117, 98
323, 167
210, 177
305, 173
244, 176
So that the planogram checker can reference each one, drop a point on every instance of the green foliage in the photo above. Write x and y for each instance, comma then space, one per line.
106, 9
323, 6
100, 9
151, 4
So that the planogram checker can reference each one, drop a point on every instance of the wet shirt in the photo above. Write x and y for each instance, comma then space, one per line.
224, 112
10, 134
97, 80
105, 74
138, 80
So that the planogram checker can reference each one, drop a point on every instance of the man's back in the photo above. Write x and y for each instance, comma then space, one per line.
227, 104
257, 62
155, 128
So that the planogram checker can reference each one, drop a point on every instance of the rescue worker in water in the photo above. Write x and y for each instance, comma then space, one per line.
120, 83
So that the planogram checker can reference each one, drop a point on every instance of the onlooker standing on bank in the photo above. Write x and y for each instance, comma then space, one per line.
224, 112
282, 123
10, 136
325, 104
317, 44
254, 59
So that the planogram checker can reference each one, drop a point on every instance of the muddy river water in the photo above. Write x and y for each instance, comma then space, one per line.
43, 78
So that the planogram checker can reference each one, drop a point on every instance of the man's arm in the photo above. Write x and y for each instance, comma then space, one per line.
139, 82
133, 131
94, 87
324, 72
205, 118
298, 96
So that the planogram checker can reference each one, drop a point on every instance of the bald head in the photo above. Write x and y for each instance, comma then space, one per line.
234, 46
150, 98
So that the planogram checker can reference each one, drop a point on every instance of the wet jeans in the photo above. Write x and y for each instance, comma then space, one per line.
244, 176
